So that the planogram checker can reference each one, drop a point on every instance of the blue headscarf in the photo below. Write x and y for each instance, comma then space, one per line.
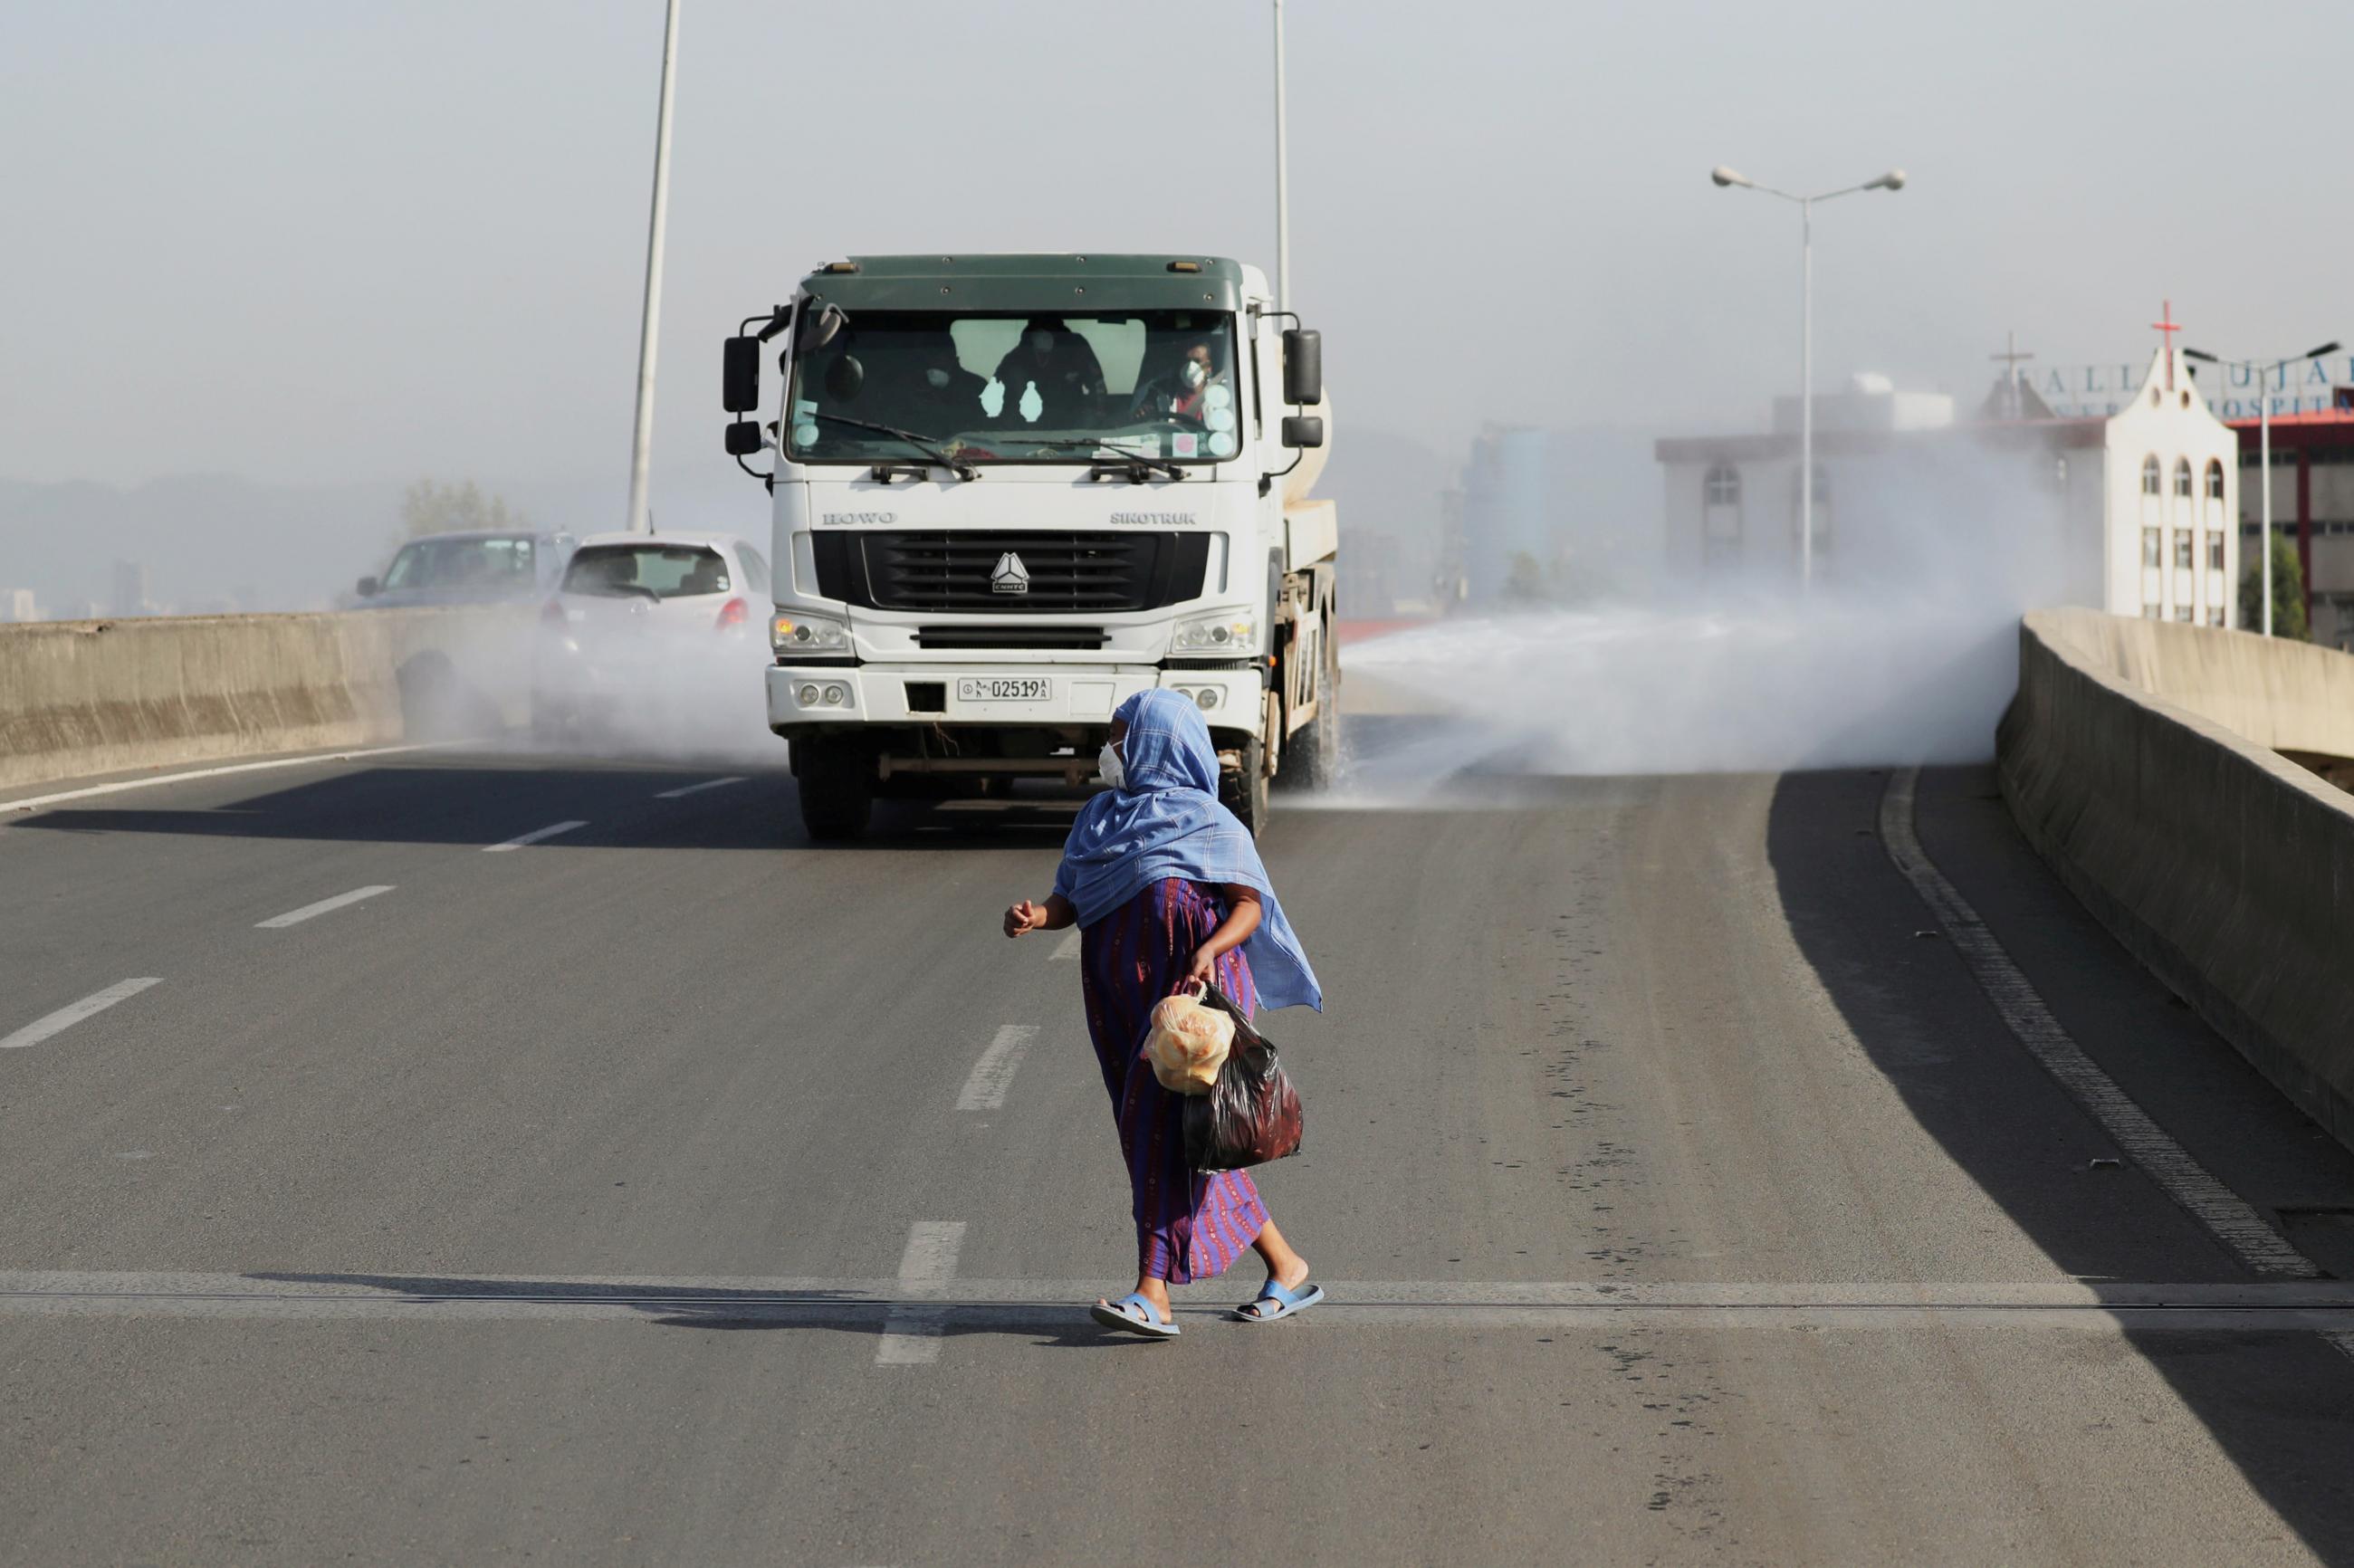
1164, 820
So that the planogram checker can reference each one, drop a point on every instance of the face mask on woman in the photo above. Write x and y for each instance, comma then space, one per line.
1194, 373
1107, 762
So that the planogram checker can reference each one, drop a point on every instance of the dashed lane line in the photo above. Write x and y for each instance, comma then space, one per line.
1069, 947
66, 1017
687, 790
533, 837
912, 1330
984, 1089
324, 906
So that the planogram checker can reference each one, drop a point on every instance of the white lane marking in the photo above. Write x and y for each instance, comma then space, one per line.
935, 1295
66, 1017
2228, 1218
35, 802
1069, 947
912, 1330
534, 836
698, 788
324, 905
993, 1074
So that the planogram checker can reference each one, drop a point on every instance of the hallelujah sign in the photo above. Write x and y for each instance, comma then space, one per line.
2096, 391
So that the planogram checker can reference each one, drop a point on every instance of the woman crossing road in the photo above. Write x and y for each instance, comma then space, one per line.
1168, 889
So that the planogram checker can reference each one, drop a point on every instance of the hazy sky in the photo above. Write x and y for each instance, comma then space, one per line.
301, 242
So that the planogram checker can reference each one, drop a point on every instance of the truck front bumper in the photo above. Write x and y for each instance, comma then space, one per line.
813, 699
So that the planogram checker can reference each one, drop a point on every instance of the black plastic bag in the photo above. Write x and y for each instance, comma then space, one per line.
1252, 1115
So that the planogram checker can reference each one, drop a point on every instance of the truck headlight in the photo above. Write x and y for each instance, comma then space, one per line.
799, 634
1233, 631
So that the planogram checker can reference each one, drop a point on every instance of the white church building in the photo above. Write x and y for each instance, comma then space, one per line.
2134, 513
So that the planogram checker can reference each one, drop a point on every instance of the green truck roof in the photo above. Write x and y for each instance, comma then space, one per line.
1075, 285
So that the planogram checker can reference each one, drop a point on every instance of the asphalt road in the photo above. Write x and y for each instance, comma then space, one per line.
1682, 1195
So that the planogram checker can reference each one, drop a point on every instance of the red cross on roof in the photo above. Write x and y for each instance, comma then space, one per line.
2167, 326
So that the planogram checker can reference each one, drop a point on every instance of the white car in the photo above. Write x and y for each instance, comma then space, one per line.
654, 638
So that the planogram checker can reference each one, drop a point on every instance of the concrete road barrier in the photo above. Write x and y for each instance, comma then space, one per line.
85, 697
2138, 757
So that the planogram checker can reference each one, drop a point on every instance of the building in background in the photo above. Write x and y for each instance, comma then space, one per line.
1547, 517
2129, 511
2313, 499
19, 605
2097, 391
131, 590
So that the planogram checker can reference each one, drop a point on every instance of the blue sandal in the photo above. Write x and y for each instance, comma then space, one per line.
1133, 1313
1287, 1302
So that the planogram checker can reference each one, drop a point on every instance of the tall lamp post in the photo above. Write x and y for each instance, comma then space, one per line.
1282, 191
1894, 180
2266, 369
641, 435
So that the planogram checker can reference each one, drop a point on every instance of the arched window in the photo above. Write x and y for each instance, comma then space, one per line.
2214, 479
2182, 478
2150, 473
1723, 484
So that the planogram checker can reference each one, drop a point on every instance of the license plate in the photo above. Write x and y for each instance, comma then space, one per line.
1004, 689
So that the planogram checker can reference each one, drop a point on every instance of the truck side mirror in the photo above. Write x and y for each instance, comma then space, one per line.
1303, 367
739, 375
1303, 429
743, 439
368, 587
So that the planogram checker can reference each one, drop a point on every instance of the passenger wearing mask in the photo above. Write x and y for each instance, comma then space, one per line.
1182, 394
1060, 366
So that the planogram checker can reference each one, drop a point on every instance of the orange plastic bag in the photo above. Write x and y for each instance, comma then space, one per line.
1188, 1044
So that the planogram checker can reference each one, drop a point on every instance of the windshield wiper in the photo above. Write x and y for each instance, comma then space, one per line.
1105, 460
1135, 470
884, 471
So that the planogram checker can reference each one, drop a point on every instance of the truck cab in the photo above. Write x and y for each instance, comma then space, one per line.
1009, 491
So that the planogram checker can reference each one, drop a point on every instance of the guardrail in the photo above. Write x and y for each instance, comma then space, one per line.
85, 697
2138, 757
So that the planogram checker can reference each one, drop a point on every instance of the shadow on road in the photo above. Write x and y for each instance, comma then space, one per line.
709, 1306
2281, 1406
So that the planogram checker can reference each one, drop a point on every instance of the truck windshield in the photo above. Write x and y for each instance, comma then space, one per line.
1020, 389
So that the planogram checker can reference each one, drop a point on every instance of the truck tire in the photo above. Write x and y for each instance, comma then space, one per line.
837, 788
1244, 790
1311, 759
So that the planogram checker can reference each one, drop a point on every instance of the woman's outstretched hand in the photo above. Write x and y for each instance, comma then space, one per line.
1025, 918
1206, 967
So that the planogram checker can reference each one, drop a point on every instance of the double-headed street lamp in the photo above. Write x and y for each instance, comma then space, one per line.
2266, 370
1894, 180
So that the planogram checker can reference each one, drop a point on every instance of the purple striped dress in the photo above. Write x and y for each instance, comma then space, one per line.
1187, 1224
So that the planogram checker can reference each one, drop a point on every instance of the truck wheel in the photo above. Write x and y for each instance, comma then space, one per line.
1244, 790
1311, 759
837, 788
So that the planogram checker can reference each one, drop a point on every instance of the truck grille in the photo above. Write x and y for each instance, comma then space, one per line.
1060, 573
1022, 637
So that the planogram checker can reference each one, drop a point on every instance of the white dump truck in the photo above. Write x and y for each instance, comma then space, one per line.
1009, 491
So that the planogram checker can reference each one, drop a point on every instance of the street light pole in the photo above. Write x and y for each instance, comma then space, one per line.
641, 438
1807, 397
1282, 192
1894, 180
2265, 483
2264, 372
